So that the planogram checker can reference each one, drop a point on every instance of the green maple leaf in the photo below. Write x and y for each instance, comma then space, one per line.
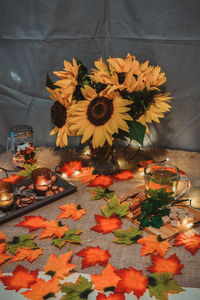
114, 207
27, 170
160, 284
101, 193
22, 241
71, 236
127, 237
78, 290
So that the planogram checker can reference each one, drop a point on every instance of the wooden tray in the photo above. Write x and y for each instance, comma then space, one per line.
14, 213
167, 231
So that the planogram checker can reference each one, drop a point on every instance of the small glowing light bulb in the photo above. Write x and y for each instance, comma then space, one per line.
76, 172
64, 175
167, 158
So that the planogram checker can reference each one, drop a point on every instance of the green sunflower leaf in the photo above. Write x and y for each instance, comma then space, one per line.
137, 131
160, 284
101, 193
22, 241
114, 207
127, 237
71, 236
78, 290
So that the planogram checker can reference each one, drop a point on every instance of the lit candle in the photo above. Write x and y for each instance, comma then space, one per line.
41, 178
6, 195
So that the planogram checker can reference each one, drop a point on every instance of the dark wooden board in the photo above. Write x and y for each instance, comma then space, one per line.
15, 213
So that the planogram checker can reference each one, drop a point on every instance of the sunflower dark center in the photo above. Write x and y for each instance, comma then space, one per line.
58, 114
121, 77
100, 111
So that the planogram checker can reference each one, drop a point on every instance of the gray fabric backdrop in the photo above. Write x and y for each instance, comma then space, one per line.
37, 35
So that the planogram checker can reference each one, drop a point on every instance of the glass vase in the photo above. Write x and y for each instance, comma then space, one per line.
104, 159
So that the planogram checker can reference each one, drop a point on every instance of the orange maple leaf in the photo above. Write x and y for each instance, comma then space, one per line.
53, 227
123, 175
32, 222
3, 256
30, 254
131, 280
93, 256
145, 163
106, 224
42, 288
191, 242
59, 266
151, 244
102, 180
115, 296
106, 280
21, 278
2, 237
85, 175
12, 178
69, 168
72, 210
163, 265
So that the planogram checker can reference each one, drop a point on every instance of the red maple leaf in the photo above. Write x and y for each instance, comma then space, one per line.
191, 242
106, 224
32, 222
163, 265
145, 163
21, 278
12, 178
93, 256
131, 281
102, 180
123, 175
69, 168
115, 296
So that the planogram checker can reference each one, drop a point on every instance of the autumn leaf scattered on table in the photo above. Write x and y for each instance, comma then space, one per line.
20, 278
59, 266
160, 285
85, 175
102, 180
123, 175
27, 170
12, 178
127, 237
43, 289
32, 222
114, 207
162, 265
145, 163
22, 241
2, 237
106, 225
72, 210
191, 242
30, 254
115, 296
131, 280
71, 236
78, 290
107, 281
93, 256
3, 256
69, 168
101, 193
55, 228
152, 243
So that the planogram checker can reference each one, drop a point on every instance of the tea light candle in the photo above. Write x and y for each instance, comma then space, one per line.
41, 178
6, 195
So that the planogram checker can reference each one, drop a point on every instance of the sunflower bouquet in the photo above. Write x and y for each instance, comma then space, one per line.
116, 100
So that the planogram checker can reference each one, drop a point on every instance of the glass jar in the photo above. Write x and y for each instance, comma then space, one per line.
21, 143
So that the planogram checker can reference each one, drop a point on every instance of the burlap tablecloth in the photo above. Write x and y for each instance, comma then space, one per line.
122, 256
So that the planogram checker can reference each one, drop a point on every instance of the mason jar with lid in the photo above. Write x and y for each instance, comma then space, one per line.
20, 141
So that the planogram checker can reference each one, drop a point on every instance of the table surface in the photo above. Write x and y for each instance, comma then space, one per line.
122, 256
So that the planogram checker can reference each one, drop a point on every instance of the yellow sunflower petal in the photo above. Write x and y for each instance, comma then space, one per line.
54, 131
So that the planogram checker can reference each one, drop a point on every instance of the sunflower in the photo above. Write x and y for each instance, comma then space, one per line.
155, 110
99, 116
59, 116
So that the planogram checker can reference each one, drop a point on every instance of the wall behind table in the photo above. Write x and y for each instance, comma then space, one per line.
37, 35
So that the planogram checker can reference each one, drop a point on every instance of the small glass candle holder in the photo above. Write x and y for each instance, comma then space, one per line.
6, 196
41, 178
